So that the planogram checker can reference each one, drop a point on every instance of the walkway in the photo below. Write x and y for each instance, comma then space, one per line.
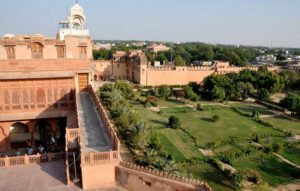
44, 176
93, 135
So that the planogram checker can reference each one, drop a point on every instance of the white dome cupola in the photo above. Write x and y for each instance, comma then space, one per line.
75, 24
77, 18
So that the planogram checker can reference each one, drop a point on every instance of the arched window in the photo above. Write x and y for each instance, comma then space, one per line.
18, 135
37, 50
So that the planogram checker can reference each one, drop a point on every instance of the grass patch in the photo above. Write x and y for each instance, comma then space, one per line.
170, 148
284, 123
181, 141
271, 169
215, 179
292, 154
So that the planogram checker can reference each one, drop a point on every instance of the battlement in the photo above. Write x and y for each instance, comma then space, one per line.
164, 175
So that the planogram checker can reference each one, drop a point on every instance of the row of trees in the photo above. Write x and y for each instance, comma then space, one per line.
189, 52
241, 85
143, 142
165, 91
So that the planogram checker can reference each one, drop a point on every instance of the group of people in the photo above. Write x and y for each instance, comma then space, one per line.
48, 144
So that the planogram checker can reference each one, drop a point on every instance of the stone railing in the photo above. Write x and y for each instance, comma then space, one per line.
30, 159
92, 158
72, 134
165, 175
106, 121
72, 138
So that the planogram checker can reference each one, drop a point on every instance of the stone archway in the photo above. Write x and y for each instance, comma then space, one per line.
19, 135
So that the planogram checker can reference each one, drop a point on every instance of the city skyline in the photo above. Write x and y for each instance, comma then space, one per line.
256, 23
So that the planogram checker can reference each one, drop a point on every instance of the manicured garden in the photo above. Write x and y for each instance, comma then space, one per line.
232, 134
222, 143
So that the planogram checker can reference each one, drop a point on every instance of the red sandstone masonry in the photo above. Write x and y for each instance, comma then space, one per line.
30, 159
135, 177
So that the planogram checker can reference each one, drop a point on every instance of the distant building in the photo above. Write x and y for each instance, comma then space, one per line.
158, 48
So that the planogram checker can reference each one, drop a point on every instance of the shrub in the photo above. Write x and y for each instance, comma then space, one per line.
255, 138
190, 94
216, 118
255, 114
199, 107
164, 91
151, 101
152, 92
179, 93
267, 149
263, 94
252, 176
174, 122
125, 87
276, 147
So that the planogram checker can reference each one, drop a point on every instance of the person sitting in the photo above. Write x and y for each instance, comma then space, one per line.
30, 151
41, 149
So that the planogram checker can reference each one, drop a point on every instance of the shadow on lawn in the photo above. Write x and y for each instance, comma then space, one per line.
281, 171
162, 123
217, 178
207, 119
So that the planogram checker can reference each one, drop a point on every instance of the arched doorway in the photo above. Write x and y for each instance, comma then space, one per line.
42, 133
19, 135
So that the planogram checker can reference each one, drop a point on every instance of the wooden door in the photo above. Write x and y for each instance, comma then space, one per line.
83, 80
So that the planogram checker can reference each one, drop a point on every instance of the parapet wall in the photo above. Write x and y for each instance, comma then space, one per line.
136, 178
182, 76
185, 75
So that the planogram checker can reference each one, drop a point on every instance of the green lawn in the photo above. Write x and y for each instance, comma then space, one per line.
199, 123
215, 179
249, 108
292, 154
284, 123
272, 170
178, 144
232, 125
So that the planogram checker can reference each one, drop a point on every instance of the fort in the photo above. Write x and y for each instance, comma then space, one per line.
135, 67
47, 103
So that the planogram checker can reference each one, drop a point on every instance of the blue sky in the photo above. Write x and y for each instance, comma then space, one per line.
250, 22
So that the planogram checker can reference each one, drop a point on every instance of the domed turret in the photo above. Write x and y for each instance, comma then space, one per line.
75, 23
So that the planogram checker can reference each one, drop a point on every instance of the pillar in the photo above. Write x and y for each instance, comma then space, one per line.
31, 126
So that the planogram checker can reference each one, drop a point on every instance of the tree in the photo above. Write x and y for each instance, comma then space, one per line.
263, 94
179, 61
125, 87
244, 90
190, 94
164, 91
218, 93
291, 102
154, 141
174, 122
